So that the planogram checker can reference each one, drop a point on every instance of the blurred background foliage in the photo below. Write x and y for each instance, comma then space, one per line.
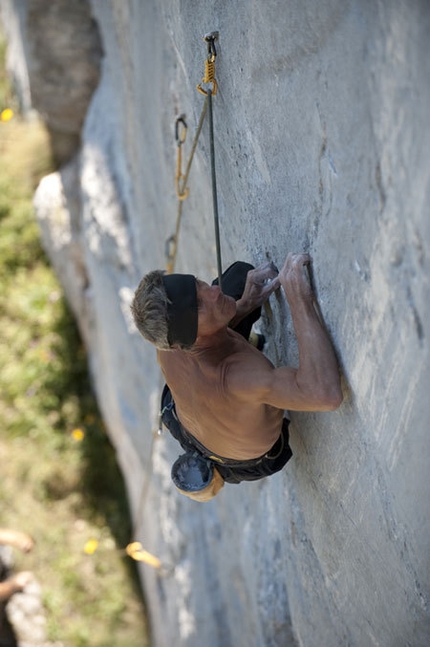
60, 481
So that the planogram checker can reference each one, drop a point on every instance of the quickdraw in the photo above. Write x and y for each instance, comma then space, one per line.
181, 179
209, 76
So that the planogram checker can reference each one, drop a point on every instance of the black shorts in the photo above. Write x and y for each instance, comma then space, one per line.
231, 470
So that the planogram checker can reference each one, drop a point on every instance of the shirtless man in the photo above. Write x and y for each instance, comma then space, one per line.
227, 398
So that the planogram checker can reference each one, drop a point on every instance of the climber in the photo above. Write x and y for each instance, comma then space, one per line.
224, 401
13, 583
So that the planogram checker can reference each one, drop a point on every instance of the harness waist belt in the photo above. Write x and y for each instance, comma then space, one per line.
273, 452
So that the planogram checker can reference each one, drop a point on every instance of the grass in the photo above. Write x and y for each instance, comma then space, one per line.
60, 481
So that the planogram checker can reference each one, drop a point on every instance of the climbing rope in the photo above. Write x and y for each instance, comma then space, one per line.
135, 549
214, 190
181, 180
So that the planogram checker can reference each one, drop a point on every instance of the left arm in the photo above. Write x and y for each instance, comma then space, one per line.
260, 283
17, 539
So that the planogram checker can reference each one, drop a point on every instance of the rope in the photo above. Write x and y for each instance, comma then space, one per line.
214, 190
135, 549
181, 180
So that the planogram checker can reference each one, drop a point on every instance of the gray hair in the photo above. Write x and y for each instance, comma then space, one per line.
149, 309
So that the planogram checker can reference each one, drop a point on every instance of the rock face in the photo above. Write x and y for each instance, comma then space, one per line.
323, 145
62, 51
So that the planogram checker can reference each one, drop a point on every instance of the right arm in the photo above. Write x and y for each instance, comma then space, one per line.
315, 384
14, 584
318, 373
15, 538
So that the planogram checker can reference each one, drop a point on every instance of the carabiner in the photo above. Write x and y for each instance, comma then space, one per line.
180, 136
210, 39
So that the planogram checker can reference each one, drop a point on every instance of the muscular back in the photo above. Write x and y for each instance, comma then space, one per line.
214, 401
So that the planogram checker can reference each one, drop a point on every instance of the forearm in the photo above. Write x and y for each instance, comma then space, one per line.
15, 538
7, 536
7, 589
14, 584
318, 371
260, 284
242, 310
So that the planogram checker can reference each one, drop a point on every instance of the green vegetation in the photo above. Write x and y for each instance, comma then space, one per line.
60, 481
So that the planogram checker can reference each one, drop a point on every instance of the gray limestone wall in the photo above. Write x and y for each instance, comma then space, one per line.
322, 145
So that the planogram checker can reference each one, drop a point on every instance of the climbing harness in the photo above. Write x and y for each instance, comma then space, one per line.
181, 179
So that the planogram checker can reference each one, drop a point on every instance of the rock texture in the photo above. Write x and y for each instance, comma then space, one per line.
56, 65
322, 145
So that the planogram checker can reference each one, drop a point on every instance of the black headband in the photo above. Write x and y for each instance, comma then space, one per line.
182, 315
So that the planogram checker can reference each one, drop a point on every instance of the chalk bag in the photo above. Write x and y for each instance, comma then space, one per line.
196, 477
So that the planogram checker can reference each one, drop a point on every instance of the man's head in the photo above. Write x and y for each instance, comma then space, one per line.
164, 309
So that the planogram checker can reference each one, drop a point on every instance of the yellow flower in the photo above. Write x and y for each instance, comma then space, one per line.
6, 114
91, 546
78, 435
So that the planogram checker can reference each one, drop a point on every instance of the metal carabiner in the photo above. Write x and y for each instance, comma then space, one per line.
180, 136
210, 39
